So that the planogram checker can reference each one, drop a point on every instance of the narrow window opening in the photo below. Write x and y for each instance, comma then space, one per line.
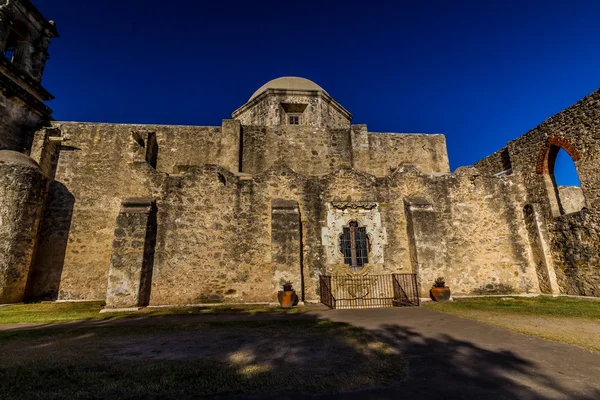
354, 245
567, 184
294, 119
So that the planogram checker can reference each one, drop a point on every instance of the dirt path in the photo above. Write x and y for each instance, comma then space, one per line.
581, 332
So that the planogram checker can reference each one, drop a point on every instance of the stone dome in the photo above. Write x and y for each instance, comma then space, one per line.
14, 157
288, 83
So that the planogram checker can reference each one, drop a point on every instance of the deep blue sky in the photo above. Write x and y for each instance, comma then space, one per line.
481, 72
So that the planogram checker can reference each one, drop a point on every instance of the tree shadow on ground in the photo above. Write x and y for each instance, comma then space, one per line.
449, 368
269, 352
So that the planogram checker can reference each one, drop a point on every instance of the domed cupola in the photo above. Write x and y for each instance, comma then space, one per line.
292, 100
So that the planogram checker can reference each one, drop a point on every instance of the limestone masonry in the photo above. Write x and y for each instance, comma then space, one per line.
287, 190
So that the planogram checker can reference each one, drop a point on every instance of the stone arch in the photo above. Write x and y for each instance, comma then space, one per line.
545, 166
548, 153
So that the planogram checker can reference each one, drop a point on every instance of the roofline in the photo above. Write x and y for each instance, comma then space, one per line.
272, 91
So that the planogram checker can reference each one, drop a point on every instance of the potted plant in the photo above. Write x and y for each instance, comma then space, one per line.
287, 297
439, 291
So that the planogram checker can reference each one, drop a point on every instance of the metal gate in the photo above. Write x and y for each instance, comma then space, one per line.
369, 291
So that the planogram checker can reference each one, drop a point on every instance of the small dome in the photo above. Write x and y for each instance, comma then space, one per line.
14, 157
288, 83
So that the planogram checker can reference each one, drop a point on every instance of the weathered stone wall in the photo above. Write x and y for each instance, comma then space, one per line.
574, 237
286, 244
18, 124
130, 271
307, 150
495, 163
216, 236
486, 238
316, 151
571, 198
21, 201
215, 228
266, 110
381, 153
94, 172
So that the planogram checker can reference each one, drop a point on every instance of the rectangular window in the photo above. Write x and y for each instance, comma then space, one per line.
293, 119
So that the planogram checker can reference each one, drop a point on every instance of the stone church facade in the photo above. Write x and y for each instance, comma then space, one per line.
288, 189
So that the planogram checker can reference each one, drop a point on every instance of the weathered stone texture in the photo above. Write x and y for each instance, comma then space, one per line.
130, 271
571, 199
21, 201
315, 151
540, 249
94, 172
17, 124
307, 150
381, 153
214, 227
286, 244
317, 109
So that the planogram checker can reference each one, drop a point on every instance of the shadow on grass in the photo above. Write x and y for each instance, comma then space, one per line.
168, 357
174, 357
449, 368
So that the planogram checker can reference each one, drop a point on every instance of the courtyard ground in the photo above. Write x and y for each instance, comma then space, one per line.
356, 354
184, 353
561, 319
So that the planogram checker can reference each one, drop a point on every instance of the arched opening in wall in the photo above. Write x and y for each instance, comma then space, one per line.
557, 163
567, 183
17, 40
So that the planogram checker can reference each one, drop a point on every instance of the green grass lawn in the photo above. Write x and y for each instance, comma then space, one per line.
47, 312
541, 306
560, 319
183, 360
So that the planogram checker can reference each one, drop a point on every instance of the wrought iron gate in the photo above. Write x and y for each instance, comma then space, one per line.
369, 291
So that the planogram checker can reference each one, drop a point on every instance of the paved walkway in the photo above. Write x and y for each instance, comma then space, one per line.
455, 358
448, 357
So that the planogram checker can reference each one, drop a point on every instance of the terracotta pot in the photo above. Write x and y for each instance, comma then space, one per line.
287, 298
440, 293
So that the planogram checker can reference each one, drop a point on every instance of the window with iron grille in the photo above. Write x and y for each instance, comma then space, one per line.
354, 245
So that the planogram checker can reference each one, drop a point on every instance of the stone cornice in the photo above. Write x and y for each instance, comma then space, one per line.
342, 205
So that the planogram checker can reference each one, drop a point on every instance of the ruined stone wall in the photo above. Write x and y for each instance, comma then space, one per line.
571, 198
495, 163
574, 248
